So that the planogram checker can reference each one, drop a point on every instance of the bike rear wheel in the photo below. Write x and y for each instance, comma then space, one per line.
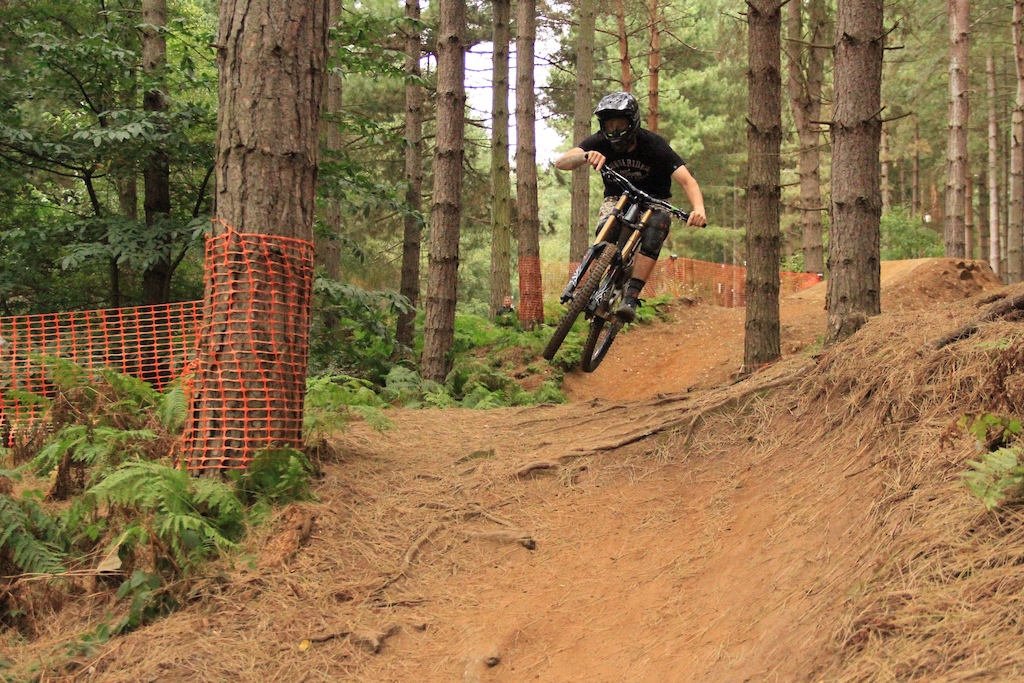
602, 334
580, 300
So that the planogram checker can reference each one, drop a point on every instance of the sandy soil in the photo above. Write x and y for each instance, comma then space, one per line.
605, 541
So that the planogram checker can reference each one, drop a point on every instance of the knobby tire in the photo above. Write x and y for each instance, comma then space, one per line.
602, 334
580, 300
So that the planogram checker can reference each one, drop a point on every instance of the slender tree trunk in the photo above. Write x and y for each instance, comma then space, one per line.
915, 181
328, 245
993, 168
883, 157
654, 66
446, 211
413, 221
624, 65
854, 289
969, 246
251, 374
531, 305
805, 79
956, 155
984, 231
764, 137
501, 182
1015, 224
579, 238
156, 280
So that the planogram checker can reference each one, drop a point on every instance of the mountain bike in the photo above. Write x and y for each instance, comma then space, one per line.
598, 284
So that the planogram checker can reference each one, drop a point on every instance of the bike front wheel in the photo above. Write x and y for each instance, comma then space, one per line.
580, 300
602, 334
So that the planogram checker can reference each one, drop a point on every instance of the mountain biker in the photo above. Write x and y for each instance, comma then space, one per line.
649, 162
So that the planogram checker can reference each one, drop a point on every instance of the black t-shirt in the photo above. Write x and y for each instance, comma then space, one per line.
649, 166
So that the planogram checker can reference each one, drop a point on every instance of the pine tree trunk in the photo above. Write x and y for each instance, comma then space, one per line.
156, 280
272, 64
624, 67
531, 305
993, 167
915, 182
764, 137
805, 78
412, 223
328, 248
501, 181
446, 211
579, 238
854, 290
956, 155
1015, 224
883, 178
654, 66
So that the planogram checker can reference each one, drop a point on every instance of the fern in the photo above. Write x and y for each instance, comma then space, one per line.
995, 476
97, 446
172, 410
29, 535
134, 389
191, 516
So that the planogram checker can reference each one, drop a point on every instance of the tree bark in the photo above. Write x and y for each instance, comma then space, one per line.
501, 181
654, 67
806, 68
1015, 223
993, 167
624, 66
446, 210
156, 280
328, 246
956, 155
413, 221
764, 137
854, 290
531, 305
579, 234
250, 378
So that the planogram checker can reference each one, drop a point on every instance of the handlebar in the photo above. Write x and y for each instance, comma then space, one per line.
636, 192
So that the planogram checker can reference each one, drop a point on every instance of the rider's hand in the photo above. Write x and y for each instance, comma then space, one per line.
697, 218
595, 159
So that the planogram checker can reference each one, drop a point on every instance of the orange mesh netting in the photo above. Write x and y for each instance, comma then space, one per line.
250, 375
531, 289
152, 343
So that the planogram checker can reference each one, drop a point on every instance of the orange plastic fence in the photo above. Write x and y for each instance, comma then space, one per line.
150, 342
250, 373
715, 283
531, 289
267, 280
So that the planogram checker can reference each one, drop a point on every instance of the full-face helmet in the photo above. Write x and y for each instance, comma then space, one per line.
619, 116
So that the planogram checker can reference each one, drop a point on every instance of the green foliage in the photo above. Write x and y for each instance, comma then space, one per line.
181, 518
906, 238
29, 538
277, 475
98, 447
352, 331
998, 473
995, 475
149, 600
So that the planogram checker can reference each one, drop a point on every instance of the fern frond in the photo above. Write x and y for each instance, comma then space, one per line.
133, 388
173, 409
18, 534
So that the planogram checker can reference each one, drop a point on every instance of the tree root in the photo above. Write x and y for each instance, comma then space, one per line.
1002, 309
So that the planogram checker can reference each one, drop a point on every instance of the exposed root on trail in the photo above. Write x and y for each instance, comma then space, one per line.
1008, 307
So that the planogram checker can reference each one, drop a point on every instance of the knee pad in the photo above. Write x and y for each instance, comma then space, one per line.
654, 234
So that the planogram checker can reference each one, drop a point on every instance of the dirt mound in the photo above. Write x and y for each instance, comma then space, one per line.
807, 523
702, 347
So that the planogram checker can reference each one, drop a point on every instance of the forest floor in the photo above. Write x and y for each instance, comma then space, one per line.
670, 524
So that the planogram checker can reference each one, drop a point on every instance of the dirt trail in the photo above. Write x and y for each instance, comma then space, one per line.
664, 527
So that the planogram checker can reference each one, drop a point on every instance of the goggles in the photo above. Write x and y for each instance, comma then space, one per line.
615, 129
